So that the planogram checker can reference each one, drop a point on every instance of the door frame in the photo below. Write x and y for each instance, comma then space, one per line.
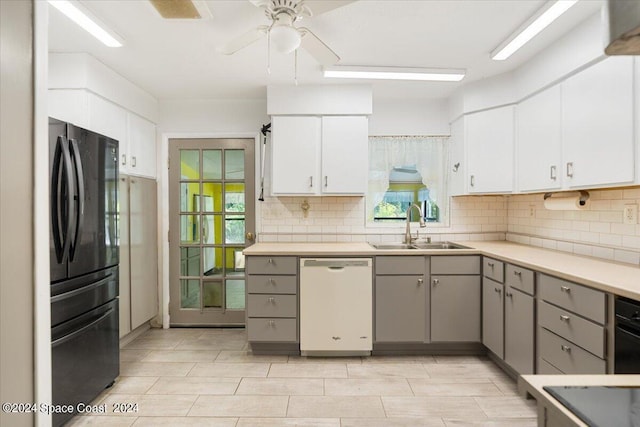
163, 203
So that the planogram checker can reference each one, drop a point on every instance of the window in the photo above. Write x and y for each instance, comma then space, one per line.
404, 171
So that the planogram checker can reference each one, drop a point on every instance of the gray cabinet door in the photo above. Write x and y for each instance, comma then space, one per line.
400, 309
493, 316
519, 329
455, 308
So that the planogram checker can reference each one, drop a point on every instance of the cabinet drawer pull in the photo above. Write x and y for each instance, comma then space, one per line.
497, 290
570, 169
271, 281
271, 323
565, 289
420, 282
509, 294
565, 348
564, 318
272, 300
270, 261
490, 264
552, 173
435, 282
517, 273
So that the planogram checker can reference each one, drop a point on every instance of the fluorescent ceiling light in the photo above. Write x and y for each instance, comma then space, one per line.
395, 73
538, 22
87, 21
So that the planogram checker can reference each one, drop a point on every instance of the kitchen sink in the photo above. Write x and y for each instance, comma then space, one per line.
419, 245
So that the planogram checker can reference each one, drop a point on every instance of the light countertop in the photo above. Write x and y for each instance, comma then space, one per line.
617, 278
533, 384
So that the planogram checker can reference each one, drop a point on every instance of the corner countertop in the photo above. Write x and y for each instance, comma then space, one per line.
533, 385
617, 278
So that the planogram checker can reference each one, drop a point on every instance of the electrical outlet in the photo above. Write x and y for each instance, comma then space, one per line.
630, 214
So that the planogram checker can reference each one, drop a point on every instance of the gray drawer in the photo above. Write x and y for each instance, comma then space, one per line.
272, 330
259, 305
493, 269
587, 302
546, 368
400, 265
272, 265
568, 357
519, 278
455, 264
572, 327
271, 284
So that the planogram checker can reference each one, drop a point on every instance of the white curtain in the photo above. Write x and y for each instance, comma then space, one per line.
429, 154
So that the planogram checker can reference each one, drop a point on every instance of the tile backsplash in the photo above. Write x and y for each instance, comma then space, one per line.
342, 219
597, 231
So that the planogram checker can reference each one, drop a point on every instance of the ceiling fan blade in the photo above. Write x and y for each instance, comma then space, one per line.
319, 7
316, 48
244, 40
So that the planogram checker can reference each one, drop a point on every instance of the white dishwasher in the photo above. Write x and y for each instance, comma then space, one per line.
336, 306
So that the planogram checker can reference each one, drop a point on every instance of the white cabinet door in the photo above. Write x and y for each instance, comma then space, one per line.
344, 154
295, 154
539, 136
489, 137
457, 164
141, 138
107, 118
69, 105
597, 121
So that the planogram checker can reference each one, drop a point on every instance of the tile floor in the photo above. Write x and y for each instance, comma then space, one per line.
206, 377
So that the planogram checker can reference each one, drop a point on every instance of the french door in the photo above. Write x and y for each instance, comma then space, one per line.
212, 219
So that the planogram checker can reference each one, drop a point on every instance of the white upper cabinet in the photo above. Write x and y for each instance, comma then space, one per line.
539, 141
107, 119
140, 158
344, 155
295, 155
597, 125
489, 141
319, 155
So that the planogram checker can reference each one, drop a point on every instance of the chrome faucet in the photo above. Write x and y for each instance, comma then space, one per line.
407, 234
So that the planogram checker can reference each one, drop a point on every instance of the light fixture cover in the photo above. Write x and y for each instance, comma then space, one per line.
534, 25
395, 73
85, 19
285, 38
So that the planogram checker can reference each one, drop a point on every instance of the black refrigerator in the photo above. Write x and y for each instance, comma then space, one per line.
83, 246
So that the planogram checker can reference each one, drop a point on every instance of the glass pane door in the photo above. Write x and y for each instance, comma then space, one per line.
214, 210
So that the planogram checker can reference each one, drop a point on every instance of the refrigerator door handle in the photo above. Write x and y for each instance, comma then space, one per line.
79, 176
61, 230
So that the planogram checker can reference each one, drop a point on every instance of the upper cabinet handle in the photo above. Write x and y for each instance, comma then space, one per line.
311, 181
553, 173
326, 180
124, 159
473, 180
570, 169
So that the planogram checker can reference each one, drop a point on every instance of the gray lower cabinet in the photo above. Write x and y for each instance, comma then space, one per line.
493, 316
455, 303
272, 299
401, 299
571, 327
519, 327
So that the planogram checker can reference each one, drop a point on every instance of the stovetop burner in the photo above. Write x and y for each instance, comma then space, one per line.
601, 406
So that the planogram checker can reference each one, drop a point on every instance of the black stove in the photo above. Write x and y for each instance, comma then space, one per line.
601, 406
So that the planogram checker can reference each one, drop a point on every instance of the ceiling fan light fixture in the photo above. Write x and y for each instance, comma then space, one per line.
285, 38
395, 73
534, 25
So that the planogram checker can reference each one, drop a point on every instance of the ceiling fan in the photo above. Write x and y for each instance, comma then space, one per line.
282, 32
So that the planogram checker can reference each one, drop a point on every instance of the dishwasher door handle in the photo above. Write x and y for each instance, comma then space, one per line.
333, 264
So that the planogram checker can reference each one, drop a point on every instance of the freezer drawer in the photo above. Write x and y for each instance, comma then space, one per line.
85, 357
336, 306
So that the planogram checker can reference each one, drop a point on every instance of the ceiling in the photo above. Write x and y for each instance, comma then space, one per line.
178, 60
